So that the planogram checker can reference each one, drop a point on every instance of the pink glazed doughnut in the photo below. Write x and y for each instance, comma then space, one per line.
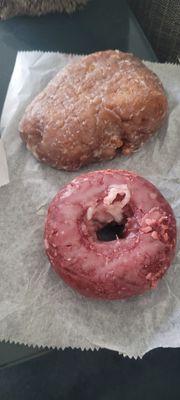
110, 234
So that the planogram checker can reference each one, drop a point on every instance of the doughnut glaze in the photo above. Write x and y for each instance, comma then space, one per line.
142, 231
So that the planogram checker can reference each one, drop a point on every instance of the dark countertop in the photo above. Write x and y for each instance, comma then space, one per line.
73, 374
99, 375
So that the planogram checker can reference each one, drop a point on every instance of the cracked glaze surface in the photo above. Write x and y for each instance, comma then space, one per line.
104, 102
120, 268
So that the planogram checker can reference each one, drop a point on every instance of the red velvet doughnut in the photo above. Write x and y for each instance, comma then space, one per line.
110, 234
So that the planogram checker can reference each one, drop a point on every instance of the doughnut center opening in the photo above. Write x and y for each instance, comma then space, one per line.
111, 231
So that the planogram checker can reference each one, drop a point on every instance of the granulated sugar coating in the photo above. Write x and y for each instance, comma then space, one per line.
99, 104
140, 244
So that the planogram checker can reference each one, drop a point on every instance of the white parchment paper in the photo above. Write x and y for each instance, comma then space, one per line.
4, 176
36, 307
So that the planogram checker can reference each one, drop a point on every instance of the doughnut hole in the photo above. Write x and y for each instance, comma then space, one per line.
111, 231
112, 218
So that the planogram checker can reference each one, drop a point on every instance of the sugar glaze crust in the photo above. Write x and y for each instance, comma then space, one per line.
120, 268
99, 104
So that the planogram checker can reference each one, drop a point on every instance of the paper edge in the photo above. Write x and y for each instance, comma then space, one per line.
4, 175
92, 348
85, 54
45, 346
